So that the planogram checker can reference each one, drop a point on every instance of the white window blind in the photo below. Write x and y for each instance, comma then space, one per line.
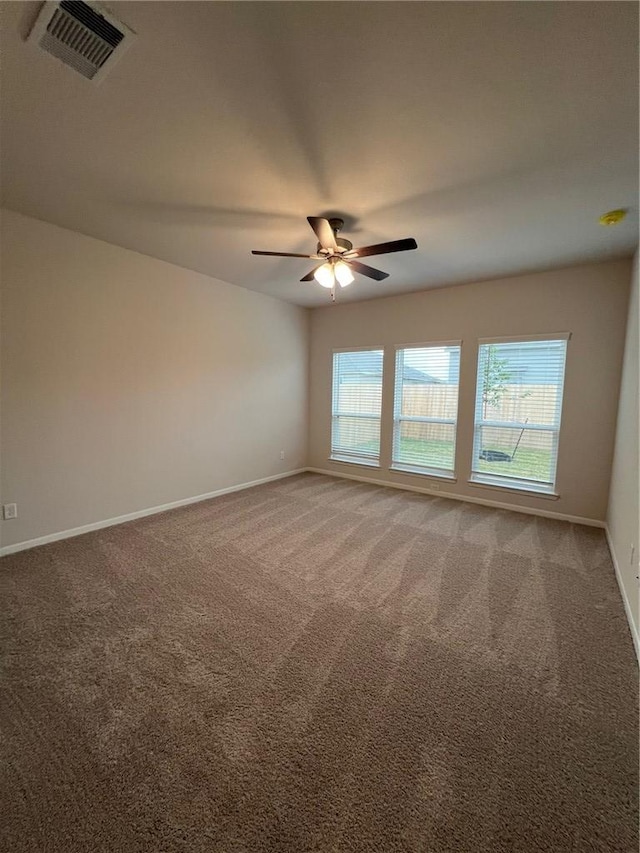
517, 415
356, 407
426, 409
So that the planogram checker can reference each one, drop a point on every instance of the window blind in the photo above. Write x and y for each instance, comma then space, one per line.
426, 409
356, 406
517, 413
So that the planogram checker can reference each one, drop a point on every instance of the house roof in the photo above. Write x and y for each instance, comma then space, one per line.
368, 364
493, 133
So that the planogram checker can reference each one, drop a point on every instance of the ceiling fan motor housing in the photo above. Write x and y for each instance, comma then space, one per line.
343, 245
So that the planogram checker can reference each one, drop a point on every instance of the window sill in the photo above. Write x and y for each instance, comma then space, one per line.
518, 490
365, 463
418, 472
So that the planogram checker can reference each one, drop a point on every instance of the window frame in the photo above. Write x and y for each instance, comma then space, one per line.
398, 418
346, 456
519, 484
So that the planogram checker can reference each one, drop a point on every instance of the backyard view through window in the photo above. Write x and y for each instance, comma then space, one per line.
426, 408
517, 413
356, 406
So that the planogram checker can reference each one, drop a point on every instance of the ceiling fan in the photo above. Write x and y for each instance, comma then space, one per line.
339, 258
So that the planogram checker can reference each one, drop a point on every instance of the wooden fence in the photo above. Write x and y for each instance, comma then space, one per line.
517, 404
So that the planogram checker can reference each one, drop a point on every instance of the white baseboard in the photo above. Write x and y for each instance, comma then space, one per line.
576, 519
625, 600
131, 516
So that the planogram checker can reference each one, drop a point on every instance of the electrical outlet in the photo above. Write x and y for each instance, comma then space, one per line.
9, 511
282, 454
435, 487
632, 553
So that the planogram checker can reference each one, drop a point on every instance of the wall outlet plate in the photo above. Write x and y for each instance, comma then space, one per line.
9, 511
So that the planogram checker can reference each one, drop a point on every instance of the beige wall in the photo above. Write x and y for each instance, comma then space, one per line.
624, 504
130, 383
588, 301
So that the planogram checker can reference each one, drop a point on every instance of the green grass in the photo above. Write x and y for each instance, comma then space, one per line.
437, 454
528, 464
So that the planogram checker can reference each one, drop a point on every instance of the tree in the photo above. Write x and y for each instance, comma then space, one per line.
495, 378
496, 375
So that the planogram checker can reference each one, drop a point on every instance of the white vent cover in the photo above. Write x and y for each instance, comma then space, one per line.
83, 35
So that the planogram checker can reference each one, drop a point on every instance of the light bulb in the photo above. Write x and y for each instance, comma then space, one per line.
343, 273
324, 275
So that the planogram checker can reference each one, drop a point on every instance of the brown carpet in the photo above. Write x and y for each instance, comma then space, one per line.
318, 665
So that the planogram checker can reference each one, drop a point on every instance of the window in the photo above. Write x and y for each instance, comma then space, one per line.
426, 408
357, 402
518, 405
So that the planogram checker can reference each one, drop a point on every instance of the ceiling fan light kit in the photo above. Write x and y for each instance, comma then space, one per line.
343, 273
333, 271
339, 256
324, 275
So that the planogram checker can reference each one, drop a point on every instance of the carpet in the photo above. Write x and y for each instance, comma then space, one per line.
318, 664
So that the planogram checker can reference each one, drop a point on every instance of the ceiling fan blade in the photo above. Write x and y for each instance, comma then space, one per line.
282, 254
370, 272
383, 248
324, 232
309, 275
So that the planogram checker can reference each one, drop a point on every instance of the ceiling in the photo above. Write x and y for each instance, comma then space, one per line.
493, 133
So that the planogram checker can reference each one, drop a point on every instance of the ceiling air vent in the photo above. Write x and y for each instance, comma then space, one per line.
84, 36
